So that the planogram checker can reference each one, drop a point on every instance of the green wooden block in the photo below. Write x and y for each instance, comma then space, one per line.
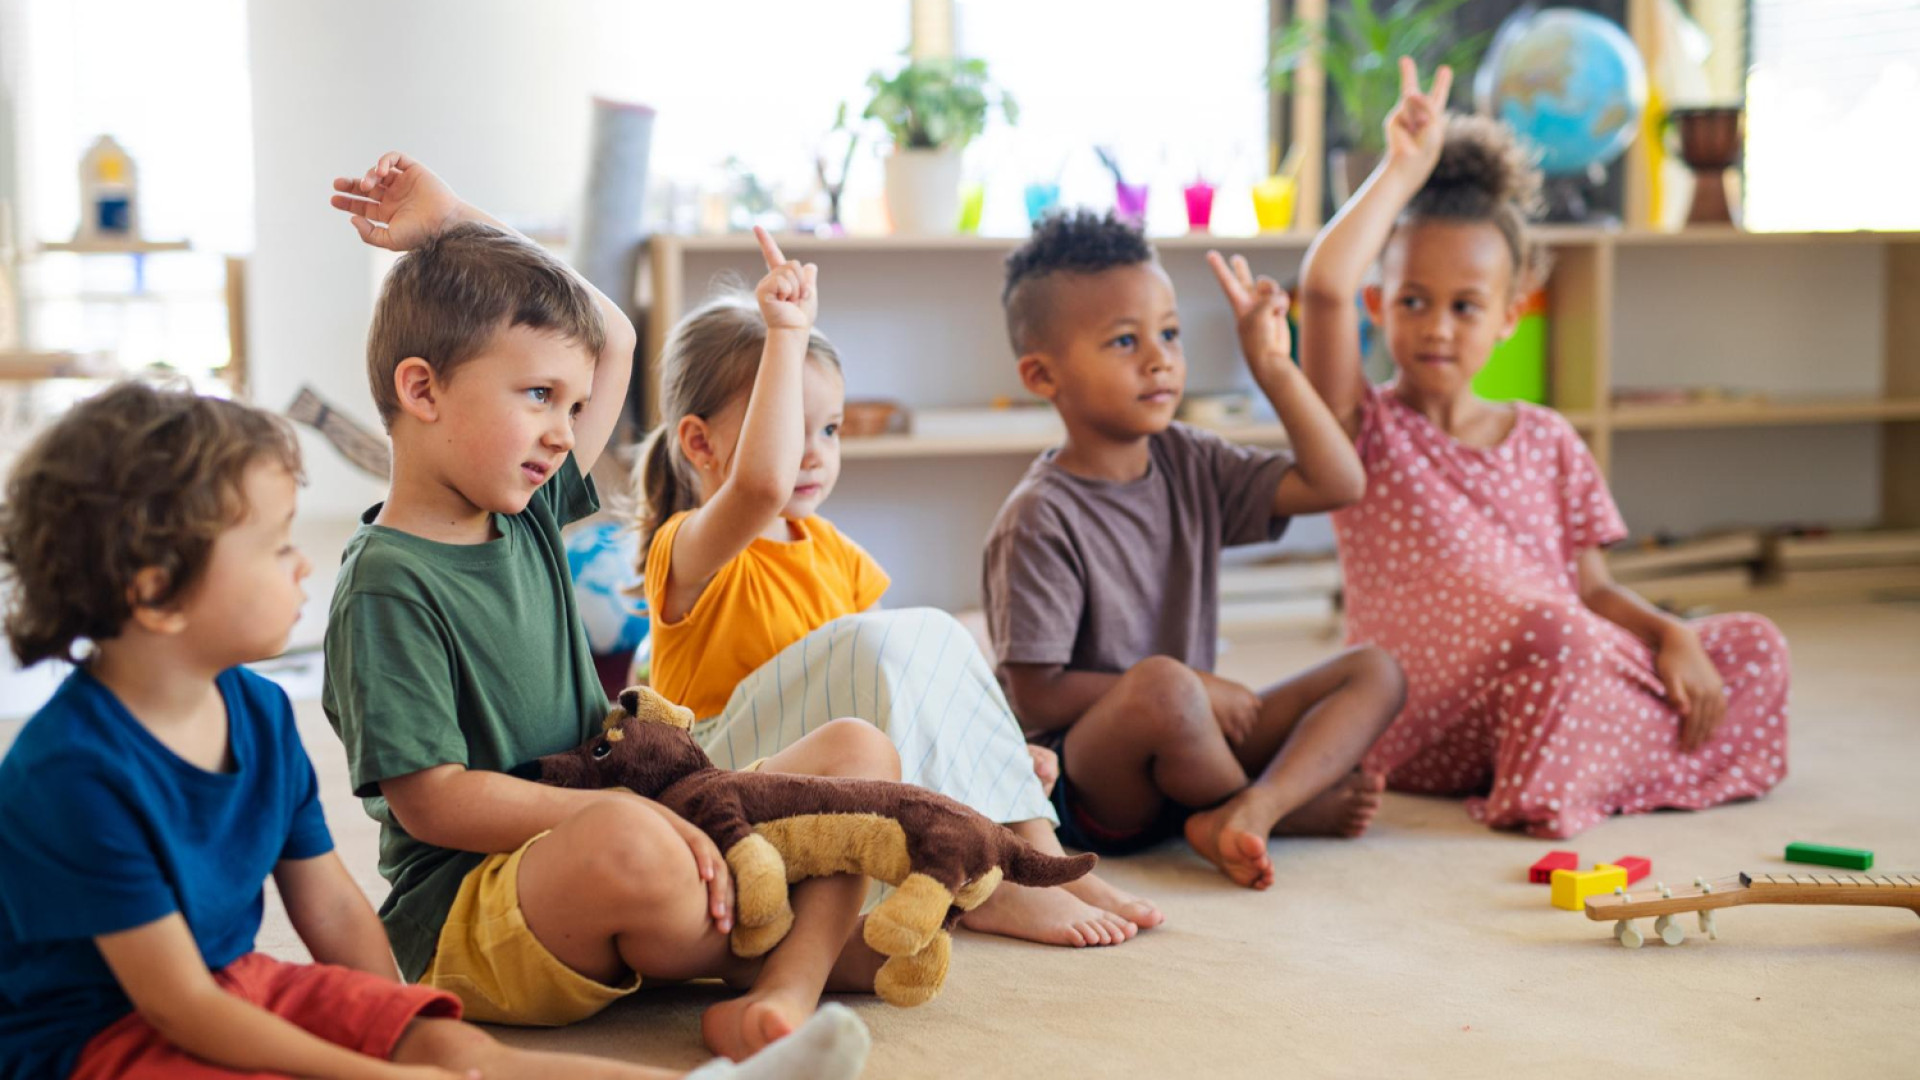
1828, 855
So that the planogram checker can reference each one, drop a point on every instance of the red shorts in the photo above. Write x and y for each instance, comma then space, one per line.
345, 1007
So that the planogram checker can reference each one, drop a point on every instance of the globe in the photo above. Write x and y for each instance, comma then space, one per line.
601, 558
1570, 83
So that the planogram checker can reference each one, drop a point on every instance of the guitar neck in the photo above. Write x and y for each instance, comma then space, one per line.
1867, 890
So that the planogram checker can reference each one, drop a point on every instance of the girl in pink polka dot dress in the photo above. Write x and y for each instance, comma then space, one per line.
1539, 687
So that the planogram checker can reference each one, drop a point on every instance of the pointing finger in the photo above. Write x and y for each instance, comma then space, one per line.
769, 250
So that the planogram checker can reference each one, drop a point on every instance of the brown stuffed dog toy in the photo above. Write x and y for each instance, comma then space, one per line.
776, 829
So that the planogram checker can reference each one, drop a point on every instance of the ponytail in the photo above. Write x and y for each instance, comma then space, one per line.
665, 489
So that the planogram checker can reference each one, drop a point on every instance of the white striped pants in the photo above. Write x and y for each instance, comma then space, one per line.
917, 675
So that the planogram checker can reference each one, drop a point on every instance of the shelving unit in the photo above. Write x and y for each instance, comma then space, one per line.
897, 447
115, 247
180, 293
1808, 332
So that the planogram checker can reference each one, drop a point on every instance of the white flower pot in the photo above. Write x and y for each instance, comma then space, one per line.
923, 191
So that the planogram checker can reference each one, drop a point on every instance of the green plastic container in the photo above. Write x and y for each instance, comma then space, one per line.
1517, 370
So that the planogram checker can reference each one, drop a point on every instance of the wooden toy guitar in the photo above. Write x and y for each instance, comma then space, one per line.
1867, 890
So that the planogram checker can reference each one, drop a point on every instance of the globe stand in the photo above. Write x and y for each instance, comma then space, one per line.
1567, 202
1710, 145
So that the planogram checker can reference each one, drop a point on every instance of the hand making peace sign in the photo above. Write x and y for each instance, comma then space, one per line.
789, 297
1259, 310
1417, 126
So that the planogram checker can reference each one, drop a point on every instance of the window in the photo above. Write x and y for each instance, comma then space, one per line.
1175, 89
1831, 97
169, 83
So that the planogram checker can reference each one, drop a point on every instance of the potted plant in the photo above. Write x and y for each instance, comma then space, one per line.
931, 108
1360, 50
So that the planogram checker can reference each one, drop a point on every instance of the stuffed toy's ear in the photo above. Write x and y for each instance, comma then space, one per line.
645, 703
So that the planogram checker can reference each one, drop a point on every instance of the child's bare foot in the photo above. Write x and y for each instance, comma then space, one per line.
831, 1046
1345, 809
739, 1028
1100, 893
1046, 767
1226, 838
1048, 916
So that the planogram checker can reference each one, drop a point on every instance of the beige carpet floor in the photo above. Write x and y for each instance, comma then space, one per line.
1420, 950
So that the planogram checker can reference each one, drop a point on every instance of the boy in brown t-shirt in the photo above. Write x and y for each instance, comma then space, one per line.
1101, 570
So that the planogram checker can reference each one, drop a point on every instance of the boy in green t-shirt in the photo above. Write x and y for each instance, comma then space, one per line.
454, 653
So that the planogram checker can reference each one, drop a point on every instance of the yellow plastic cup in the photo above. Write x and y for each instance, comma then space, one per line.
1273, 203
973, 198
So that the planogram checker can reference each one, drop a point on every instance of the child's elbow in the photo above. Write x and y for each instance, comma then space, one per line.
1349, 487
621, 336
180, 1018
765, 494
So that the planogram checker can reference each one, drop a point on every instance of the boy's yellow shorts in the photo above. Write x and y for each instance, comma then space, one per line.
501, 972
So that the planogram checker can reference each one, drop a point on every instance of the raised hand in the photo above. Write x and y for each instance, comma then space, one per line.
398, 203
1417, 126
1259, 310
788, 296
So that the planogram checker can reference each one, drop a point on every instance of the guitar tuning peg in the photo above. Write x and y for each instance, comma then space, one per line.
1670, 931
1706, 925
1628, 934
1665, 893
1703, 884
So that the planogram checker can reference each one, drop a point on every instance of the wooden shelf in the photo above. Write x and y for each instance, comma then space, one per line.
1723, 234
25, 364
1550, 235
115, 247
892, 447
1763, 413
1602, 282
793, 243
885, 447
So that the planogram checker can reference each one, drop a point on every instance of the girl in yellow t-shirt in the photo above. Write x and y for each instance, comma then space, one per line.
764, 615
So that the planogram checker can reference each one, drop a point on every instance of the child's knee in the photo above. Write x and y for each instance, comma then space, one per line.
858, 749
633, 857
1547, 632
1376, 669
1166, 693
447, 1043
1747, 631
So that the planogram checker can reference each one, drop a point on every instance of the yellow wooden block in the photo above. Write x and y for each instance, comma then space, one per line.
1572, 887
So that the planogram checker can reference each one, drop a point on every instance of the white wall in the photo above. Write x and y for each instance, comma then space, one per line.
487, 92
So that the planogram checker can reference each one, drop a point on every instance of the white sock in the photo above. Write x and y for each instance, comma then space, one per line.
832, 1045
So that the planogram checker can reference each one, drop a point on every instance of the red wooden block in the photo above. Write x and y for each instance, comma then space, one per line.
1542, 871
1635, 866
